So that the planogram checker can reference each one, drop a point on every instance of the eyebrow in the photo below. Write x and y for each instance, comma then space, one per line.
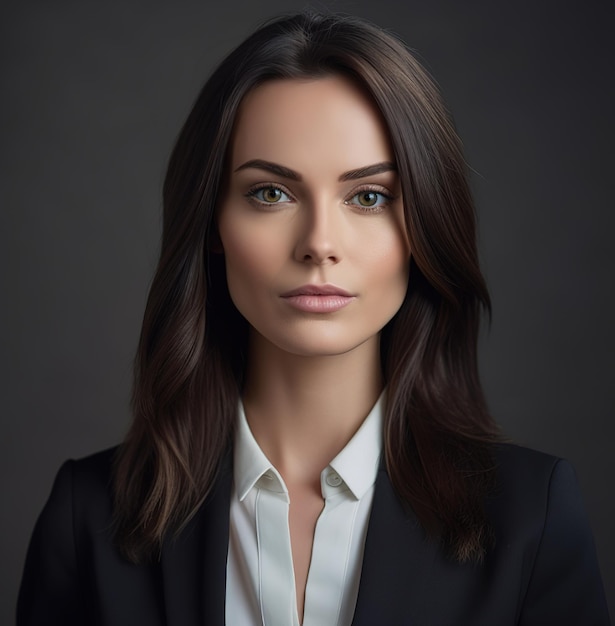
285, 172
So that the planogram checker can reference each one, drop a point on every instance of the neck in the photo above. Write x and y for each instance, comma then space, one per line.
303, 410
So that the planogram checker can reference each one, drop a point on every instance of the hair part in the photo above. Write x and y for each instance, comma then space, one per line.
190, 362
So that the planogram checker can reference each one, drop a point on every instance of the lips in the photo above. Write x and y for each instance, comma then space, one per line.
318, 298
317, 290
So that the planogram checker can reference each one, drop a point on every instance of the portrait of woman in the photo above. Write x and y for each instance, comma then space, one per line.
310, 441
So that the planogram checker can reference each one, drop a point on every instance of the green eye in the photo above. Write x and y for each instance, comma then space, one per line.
270, 195
368, 199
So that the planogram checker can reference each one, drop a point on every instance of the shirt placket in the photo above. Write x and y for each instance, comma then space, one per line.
276, 574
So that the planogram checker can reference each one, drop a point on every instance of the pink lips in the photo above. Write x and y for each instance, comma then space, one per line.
318, 298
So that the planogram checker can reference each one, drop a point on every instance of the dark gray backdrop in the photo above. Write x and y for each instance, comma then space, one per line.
93, 96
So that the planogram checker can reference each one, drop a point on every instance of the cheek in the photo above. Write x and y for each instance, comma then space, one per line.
386, 261
391, 282
250, 255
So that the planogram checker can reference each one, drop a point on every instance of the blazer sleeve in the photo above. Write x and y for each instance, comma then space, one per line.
50, 591
565, 585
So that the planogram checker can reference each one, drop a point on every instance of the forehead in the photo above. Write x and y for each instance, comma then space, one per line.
305, 122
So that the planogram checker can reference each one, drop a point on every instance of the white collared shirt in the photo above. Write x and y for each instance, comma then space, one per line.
260, 580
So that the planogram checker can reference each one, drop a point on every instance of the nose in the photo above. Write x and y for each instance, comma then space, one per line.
318, 239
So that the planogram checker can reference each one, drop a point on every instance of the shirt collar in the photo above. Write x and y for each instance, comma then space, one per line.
250, 462
356, 464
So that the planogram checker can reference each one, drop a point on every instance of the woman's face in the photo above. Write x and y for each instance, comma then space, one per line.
312, 223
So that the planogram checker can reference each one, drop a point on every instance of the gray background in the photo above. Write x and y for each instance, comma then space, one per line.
93, 97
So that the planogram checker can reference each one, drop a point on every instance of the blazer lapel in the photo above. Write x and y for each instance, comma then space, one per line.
194, 563
398, 563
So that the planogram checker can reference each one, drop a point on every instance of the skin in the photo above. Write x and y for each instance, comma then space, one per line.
312, 378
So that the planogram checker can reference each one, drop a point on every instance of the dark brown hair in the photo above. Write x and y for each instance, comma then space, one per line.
190, 363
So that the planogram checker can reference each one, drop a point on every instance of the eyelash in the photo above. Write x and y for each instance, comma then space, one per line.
387, 199
251, 195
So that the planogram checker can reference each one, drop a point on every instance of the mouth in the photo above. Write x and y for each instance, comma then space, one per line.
317, 290
318, 298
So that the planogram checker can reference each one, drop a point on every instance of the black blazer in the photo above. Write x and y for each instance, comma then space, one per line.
543, 570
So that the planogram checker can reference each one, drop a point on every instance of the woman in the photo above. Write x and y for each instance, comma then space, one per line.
310, 440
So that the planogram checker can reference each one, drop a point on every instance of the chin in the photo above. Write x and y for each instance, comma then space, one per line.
320, 344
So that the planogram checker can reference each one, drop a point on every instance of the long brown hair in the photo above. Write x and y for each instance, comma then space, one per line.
190, 363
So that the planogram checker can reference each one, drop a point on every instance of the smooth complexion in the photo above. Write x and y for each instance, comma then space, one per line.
317, 257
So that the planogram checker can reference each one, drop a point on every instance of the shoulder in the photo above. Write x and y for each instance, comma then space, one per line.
528, 477
95, 468
82, 488
540, 520
92, 473
521, 463
521, 471
537, 508
529, 485
78, 513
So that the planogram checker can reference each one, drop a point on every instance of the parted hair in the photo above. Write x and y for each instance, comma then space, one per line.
189, 367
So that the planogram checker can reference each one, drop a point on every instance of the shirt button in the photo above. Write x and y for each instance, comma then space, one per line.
333, 479
268, 476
